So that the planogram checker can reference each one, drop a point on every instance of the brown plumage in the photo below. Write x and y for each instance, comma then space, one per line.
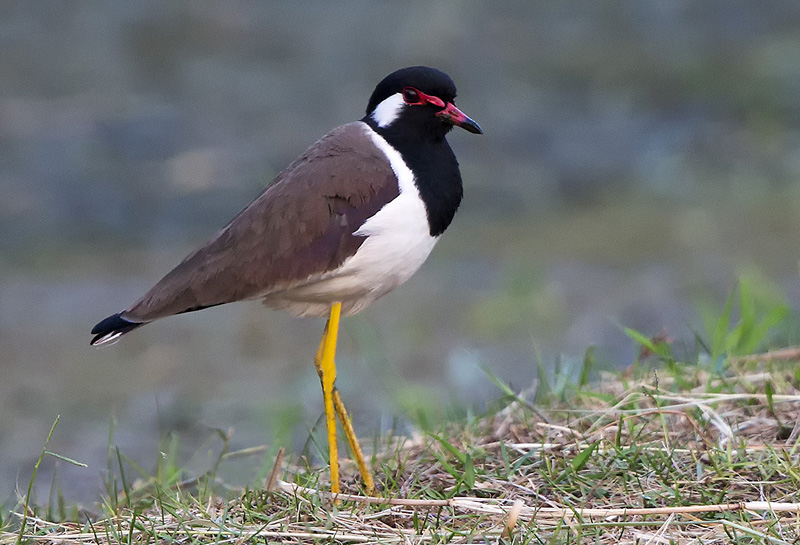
350, 220
298, 229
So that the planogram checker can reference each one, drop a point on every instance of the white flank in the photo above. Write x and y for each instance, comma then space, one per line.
398, 241
387, 111
398, 236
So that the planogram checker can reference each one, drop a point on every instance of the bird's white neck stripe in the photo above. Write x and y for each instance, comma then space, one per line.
405, 177
388, 110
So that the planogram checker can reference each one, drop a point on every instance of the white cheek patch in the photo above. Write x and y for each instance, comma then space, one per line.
388, 110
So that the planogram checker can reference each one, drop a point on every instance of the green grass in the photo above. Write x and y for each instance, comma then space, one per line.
702, 448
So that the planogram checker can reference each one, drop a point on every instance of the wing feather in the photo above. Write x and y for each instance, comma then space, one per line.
300, 227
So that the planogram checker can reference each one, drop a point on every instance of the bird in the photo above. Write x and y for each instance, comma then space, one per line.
354, 217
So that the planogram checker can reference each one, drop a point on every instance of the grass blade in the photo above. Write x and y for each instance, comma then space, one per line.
30, 483
64, 458
580, 461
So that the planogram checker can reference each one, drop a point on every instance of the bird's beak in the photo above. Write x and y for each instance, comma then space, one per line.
457, 117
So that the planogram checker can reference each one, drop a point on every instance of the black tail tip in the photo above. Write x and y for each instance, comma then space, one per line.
111, 329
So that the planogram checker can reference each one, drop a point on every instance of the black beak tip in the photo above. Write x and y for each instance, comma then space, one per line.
472, 127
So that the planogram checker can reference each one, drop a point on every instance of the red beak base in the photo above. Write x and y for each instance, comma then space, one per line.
458, 118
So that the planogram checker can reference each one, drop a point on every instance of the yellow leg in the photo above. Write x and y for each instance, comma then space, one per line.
339, 408
326, 367
366, 476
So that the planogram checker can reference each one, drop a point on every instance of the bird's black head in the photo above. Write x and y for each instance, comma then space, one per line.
418, 98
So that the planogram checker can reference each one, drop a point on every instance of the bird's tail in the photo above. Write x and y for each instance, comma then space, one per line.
111, 329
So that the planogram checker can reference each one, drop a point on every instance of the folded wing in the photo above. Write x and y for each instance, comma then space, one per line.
299, 228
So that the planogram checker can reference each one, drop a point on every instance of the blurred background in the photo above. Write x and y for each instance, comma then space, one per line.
637, 158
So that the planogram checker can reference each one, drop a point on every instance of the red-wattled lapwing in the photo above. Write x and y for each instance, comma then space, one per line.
350, 220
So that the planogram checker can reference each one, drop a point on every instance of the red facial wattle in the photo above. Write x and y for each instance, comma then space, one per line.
415, 97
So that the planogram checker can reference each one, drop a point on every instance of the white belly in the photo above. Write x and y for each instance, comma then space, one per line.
398, 242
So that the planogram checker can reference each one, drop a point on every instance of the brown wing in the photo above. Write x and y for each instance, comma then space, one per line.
301, 226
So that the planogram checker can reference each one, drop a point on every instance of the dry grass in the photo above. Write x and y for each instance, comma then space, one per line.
679, 456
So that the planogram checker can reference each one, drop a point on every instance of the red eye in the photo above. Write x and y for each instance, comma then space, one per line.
411, 96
